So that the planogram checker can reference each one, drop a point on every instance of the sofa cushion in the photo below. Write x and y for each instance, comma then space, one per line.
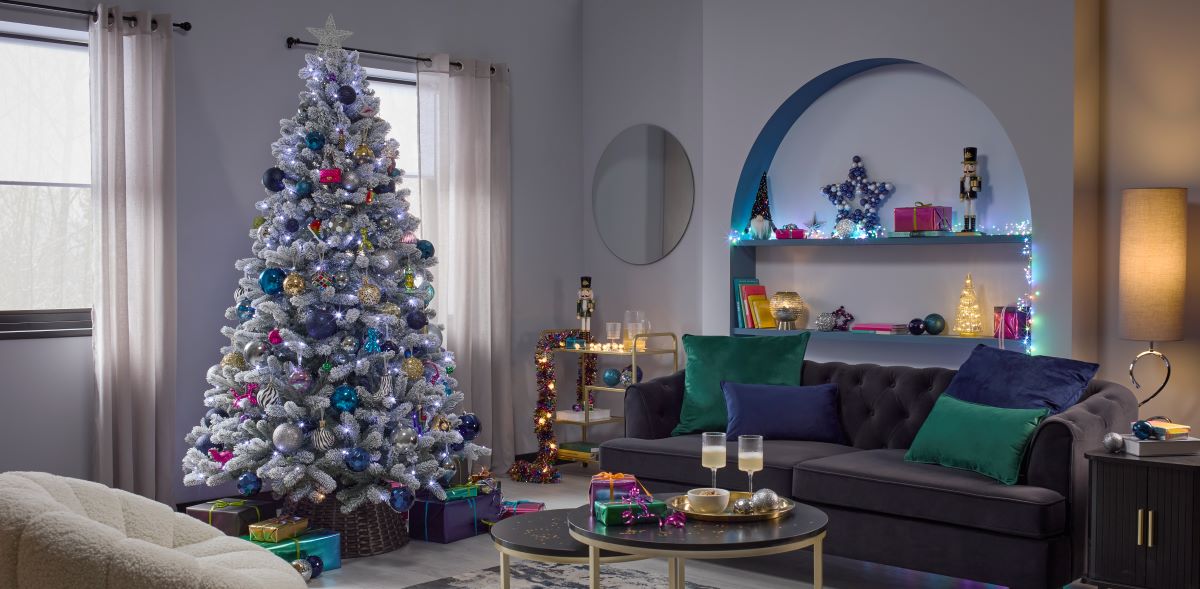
881, 481
783, 413
988, 440
677, 460
1004, 378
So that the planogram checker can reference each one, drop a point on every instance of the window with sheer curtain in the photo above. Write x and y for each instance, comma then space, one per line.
397, 94
45, 174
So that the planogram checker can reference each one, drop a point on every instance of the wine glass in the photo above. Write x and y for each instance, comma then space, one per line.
750, 457
613, 328
713, 453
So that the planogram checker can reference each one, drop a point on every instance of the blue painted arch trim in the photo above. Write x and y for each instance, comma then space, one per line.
777, 127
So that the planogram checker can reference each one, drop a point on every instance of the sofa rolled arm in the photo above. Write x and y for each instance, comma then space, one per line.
1056, 455
652, 407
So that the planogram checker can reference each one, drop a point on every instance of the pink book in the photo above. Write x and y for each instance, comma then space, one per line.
747, 290
872, 327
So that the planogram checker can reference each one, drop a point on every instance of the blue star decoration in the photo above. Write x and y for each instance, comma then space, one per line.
858, 198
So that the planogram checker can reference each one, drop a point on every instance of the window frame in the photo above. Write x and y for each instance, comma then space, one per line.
44, 323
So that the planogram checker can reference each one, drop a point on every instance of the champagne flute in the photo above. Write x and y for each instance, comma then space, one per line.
750, 457
713, 453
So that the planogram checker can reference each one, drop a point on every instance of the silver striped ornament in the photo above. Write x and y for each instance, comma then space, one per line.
323, 438
268, 394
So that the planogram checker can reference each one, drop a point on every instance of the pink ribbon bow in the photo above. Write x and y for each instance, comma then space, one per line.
676, 519
247, 396
635, 500
221, 456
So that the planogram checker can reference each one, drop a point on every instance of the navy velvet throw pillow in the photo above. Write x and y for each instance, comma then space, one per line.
1003, 378
778, 412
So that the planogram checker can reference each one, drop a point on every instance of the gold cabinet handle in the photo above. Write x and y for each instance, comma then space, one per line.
1150, 528
1139, 526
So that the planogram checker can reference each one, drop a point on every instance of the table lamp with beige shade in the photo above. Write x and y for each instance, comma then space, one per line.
1152, 272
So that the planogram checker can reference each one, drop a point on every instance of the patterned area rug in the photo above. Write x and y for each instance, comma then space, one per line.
536, 575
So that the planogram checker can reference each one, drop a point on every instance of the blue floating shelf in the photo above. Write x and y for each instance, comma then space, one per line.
951, 340
946, 240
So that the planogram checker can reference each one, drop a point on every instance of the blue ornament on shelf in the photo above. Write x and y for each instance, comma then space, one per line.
402, 499
245, 312
271, 280
934, 323
346, 95
612, 377
371, 343
204, 443
291, 225
273, 179
916, 326
357, 459
315, 140
249, 484
426, 248
303, 188
627, 375
320, 323
317, 564
469, 426
416, 319
344, 398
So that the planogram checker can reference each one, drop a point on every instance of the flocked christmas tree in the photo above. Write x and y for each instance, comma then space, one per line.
334, 379
968, 321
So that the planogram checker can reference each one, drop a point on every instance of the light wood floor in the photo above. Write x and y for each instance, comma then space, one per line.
423, 561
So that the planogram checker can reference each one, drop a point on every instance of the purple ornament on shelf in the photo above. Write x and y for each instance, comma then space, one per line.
916, 326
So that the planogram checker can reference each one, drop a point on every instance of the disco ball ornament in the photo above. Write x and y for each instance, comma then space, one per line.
346, 95
826, 322
254, 351
249, 484
323, 437
287, 437
233, 360
743, 506
627, 375
416, 319
293, 284
303, 567
341, 280
357, 459
935, 324
320, 323
612, 377
764, 500
469, 426
344, 398
916, 326
351, 180
271, 280
843, 229
369, 294
314, 140
273, 179
1114, 443
426, 248
402, 499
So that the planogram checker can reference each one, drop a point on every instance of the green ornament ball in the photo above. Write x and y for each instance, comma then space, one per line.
935, 324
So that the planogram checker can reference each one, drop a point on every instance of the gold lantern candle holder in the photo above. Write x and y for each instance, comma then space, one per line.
789, 310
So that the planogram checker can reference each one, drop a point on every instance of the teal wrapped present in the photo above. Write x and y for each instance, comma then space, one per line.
613, 512
326, 544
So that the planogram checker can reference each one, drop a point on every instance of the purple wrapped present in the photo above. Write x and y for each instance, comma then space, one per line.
610, 487
233, 516
449, 521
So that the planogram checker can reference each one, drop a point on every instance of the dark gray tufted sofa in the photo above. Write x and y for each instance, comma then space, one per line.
886, 510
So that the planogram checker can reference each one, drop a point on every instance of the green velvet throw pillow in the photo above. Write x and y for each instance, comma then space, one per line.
988, 440
712, 359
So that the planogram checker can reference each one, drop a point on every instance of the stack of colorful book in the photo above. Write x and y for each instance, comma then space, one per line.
753, 305
1173, 439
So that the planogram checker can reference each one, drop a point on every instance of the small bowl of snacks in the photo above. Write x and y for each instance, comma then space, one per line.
708, 500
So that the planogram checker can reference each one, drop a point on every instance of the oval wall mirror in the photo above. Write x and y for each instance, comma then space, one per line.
642, 194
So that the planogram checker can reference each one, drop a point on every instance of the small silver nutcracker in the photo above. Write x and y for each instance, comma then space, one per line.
968, 189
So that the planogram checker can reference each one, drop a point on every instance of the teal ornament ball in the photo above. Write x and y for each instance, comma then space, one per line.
271, 280
344, 398
426, 248
612, 376
249, 484
935, 324
314, 140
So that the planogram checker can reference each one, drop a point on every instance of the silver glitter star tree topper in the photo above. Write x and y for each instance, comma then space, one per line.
330, 37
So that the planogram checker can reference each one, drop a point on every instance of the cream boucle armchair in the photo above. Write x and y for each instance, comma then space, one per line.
61, 532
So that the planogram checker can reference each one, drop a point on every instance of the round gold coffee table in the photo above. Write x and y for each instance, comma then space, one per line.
804, 527
543, 536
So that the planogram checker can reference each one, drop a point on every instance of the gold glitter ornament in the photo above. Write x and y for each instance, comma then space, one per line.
442, 424
293, 284
234, 359
413, 367
392, 309
368, 293
363, 153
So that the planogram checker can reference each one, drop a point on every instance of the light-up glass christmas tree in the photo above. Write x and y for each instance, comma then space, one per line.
968, 321
334, 380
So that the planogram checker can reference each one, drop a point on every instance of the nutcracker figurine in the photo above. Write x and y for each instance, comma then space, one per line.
585, 306
968, 189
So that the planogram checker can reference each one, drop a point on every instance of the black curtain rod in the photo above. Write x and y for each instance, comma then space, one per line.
293, 41
183, 26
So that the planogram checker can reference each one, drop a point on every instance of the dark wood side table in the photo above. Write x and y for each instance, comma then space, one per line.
1144, 521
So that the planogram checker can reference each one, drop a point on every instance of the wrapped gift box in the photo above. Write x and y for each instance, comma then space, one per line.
233, 516
608, 486
613, 513
1011, 321
330, 176
462, 492
279, 528
511, 508
572, 415
449, 521
923, 217
326, 544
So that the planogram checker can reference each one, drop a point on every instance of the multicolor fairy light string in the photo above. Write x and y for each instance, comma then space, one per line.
541, 469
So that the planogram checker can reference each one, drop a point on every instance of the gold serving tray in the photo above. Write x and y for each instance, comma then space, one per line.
680, 503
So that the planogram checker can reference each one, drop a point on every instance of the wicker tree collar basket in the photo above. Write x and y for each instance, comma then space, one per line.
373, 528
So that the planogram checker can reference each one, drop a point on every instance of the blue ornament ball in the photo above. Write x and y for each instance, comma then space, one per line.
916, 326
934, 323
358, 460
317, 564
249, 484
271, 280
416, 319
273, 179
346, 95
418, 350
612, 376
320, 323
402, 499
245, 312
344, 398
304, 188
214, 414
291, 225
204, 443
627, 375
315, 140
390, 346
426, 248
385, 188
469, 426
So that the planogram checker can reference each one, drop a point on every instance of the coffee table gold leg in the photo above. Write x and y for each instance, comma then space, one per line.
673, 573
818, 574
680, 577
594, 567
505, 573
